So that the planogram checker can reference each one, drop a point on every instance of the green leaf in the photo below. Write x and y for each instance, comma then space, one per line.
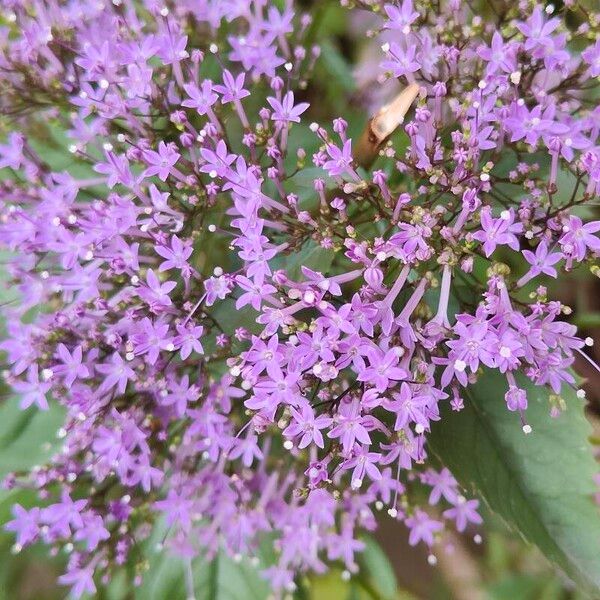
27, 437
541, 484
376, 569
311, 255
220, 579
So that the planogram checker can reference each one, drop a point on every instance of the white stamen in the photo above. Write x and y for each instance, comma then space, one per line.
460, 365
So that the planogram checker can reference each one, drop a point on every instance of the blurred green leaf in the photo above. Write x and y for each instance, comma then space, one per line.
311, 255
541, 484
220, 579
376, 569
337, 67
27, 437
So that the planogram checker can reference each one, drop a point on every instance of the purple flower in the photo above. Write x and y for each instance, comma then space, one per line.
308, 426
350, 427
516, 399
442, 484
177, 509
188, 340
217, 163
155, 293
71, 367
162, 162
284, 111
117, 170
409, 408
149, 338
383, 369
80, 580
340, 161
32, 391
499, 55
401, 18
176, 256
463, 512
422, 528
233, 88
255, 292
591, 56
499, 231
363, 464
579, 237
11, 154
541, 262
536, 30
200, 98
246, 448
401, 61
26, 524
116, 374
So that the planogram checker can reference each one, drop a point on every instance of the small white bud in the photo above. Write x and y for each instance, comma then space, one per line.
392, 512
213, 48
432, 560
288, 444
527, 429
581, 394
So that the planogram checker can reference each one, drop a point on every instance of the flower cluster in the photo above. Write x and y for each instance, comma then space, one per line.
240, 354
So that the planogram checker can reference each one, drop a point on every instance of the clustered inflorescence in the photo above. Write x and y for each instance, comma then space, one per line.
249, 331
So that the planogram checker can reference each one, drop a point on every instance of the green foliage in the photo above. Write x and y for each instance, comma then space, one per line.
541, 484
27, 437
